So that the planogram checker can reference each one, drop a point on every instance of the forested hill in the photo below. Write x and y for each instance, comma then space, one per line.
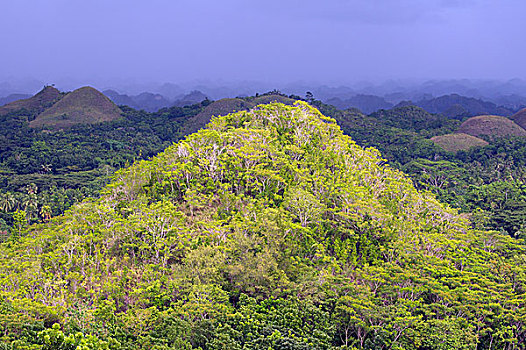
59, 148
43, 171
269, 229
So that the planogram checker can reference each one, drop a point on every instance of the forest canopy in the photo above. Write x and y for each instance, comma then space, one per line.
268, 229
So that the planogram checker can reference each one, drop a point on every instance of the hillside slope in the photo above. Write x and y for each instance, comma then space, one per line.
82, 106
520, 118
269, 229
35, 104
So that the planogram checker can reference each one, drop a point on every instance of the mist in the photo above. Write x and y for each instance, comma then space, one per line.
125, 43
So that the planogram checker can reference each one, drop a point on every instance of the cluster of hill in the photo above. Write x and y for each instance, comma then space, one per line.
452, 105
487, 126
69, 157
52, 109
57, 149
49, 160
152, 102
269, 229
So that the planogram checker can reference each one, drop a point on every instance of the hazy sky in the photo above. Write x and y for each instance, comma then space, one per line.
271, 40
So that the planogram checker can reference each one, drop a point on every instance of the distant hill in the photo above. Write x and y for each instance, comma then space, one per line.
365, 103
491, 125
12, 98
221, 107
151, 102
147, 101
171, 91
458, 142
520, 118
120, 99
457, 106
229, 105
82, 106
35, 104
189, 99
410, 118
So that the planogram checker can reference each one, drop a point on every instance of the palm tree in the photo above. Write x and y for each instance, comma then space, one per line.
30, 204
7, 201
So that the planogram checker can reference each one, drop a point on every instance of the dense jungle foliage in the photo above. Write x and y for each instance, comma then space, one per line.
488, 183
269, 229
42, 172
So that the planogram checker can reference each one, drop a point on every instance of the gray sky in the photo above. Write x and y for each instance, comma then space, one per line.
329, 41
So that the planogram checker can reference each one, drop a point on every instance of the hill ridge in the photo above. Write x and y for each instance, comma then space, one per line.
35, 104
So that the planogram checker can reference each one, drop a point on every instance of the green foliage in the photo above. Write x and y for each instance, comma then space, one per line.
269, 229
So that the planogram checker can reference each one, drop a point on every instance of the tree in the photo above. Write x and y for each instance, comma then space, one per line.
19, 223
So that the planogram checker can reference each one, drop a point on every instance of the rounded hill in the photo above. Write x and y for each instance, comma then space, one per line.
82, 106
458, 142
491, 125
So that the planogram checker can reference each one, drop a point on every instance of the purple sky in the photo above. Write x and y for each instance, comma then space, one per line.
330, 41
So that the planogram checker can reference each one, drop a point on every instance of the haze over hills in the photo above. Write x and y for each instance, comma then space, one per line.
456, 106
13, 97
511, 95
151, 102
365, 103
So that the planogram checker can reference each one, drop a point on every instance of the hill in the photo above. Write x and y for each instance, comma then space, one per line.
268, 229
520, 118
365, 103
410, 118
220, 107
12, 97
229, 105
35, 104
269, 98
191, 98
121, 99
82, 106
491, 125
458, 142
457, 106
151, 102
